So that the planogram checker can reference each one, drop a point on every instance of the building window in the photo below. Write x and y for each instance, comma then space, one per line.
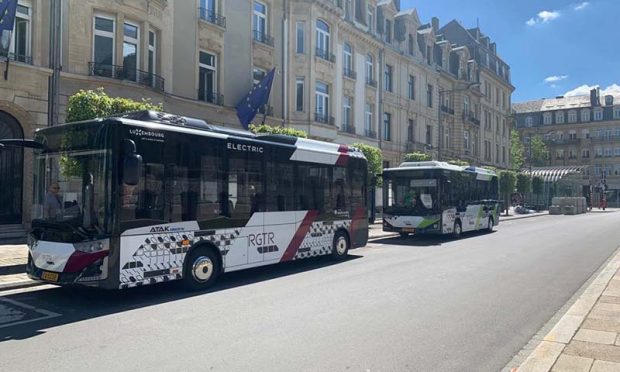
258, 74
322, 37
616, 112
371, 19
529, 121
103, 50
598, 114
585, 115
299, 94
368, 120
387, 126
547, 118
152, 52
411, 87
572, 116
259, 21
429, 135
411, 131
466, 141
503, 154
466, 104
370, 73
131, 40
487, 150
348, 9
21, 36
388, 31
300, 36
446, 134
559, 117
346, 114
348, 60
585, 154
411, 45
322, 102
387, 81
429, 95
207, 78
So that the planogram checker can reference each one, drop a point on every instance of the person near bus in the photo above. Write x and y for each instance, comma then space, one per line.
53, 201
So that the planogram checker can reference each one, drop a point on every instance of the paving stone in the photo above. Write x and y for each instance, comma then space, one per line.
598, 313
599, 337
604, 366
602, 325
565, 329
607, 307
612, 292
609, 299
609, 353
543, 357
569, 363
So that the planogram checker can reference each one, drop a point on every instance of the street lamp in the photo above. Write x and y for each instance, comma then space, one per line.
441, 93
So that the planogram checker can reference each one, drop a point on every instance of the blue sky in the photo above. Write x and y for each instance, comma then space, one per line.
553, 47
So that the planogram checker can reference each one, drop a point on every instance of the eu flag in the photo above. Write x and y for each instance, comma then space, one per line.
255, 99
7, 14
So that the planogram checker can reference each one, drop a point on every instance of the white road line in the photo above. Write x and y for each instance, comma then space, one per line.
46, 314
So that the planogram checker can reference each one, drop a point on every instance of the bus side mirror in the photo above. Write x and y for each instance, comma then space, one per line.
131, 169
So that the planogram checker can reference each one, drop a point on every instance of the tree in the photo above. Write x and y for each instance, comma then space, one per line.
516, 151
524, 184
540, 153
267, 129
91, 104
507, 183
458, 162
374, 156
418, 156
538, 186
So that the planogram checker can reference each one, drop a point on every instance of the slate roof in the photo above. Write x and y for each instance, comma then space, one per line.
551, 104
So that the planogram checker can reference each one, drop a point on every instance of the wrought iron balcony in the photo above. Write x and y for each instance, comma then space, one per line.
210, 16
447, 110
16, 57
262, 37
211, 97
325, 54
321, 117
350, 73
348, 128
470, 116
371, 82
124, 73
370, 133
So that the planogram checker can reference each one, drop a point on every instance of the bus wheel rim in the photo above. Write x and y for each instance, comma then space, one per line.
457, 228
341, 245
202, 269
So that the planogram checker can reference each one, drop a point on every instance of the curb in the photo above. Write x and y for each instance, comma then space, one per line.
544, 356
20, 284
513, 218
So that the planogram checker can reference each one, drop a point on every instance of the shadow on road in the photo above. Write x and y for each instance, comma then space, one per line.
427, 240
78, 303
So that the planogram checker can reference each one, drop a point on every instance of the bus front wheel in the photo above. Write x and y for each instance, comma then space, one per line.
491, 224
201, 269
340, 247
403, 235
458, 230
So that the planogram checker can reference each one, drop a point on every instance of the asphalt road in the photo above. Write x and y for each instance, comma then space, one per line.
416, 304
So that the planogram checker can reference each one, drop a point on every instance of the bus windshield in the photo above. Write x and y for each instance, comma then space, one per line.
412, 194
72, 183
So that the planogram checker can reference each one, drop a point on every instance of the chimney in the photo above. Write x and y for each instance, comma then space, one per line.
435, 23
594, 101
494, 48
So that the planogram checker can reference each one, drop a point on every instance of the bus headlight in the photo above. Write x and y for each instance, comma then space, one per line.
91, 247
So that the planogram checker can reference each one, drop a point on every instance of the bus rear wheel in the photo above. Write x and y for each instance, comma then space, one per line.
201, 269
458, 230
340, 248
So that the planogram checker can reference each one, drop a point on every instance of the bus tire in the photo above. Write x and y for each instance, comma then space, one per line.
491, 224
403, 235
201, 269
341, 245
458, 229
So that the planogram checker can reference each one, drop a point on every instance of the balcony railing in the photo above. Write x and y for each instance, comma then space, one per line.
325, 54
447, 110
350, 73
562, 141
371, 82
348, 129
605, 139
262, 37
210, 16
321, 117
470, 117
16, 57
211, 97
370, 133
124, 73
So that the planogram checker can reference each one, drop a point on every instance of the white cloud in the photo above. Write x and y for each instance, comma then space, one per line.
584, 89
581, 6
543, 17
555, 78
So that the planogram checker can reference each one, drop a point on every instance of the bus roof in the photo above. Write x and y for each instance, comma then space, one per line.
426, 165
305, 149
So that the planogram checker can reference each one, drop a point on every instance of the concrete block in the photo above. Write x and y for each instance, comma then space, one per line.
555, 209
543, 357
570, 210
569, 363
565, 329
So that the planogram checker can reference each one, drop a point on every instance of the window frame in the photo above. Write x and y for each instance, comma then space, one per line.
387, 126
109, 34
257, 16
28, 19
323, 96
300, 37
323, 37
299, 98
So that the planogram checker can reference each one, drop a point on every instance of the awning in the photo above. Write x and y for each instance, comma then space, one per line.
554, 174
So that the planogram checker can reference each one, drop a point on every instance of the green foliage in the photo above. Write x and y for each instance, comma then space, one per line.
507, 182
517, 156
267, 129
538, 185
418, 156
375, 160
458, 162
540, 153
91, 104
524, 183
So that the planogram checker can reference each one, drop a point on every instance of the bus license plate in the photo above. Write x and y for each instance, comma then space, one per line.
409, 229
51, 277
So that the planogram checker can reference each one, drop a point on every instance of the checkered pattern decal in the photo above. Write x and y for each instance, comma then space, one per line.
160, 258
320, 238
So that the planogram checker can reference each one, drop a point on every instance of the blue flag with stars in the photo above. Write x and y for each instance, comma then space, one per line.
7, 14
255, 99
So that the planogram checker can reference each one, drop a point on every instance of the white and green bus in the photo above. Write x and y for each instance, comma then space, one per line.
434, 197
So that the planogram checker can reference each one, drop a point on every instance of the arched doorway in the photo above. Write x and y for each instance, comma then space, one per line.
11, 172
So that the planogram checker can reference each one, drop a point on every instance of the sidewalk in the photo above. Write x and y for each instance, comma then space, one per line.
587, 337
